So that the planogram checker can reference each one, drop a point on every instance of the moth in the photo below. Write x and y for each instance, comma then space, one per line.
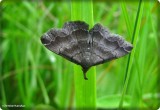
85, 47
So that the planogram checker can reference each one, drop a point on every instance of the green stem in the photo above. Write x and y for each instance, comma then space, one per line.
131, 56
85, 90
158, 39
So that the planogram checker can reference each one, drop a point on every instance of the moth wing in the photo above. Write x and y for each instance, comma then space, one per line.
71, 26
107, 46
67, 42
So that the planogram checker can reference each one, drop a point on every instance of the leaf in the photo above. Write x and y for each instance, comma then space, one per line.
112, 101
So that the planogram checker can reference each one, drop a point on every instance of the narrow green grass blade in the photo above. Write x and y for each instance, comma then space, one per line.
43, 89
158, 33
131, 56
64, 96
85, 90
126, 16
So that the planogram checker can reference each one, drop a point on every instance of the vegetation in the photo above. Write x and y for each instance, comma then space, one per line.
31, 75
85, 90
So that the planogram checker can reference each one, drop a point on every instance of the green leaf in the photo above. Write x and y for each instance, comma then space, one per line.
85, 90
112, 101
131, 56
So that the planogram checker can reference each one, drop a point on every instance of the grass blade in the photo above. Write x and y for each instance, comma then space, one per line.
158, 33
126, 16
85, 90
131, 56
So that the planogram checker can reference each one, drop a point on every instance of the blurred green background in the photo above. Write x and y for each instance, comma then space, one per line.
33, 76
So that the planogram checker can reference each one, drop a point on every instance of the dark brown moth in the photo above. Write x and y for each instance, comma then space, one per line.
85, 47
